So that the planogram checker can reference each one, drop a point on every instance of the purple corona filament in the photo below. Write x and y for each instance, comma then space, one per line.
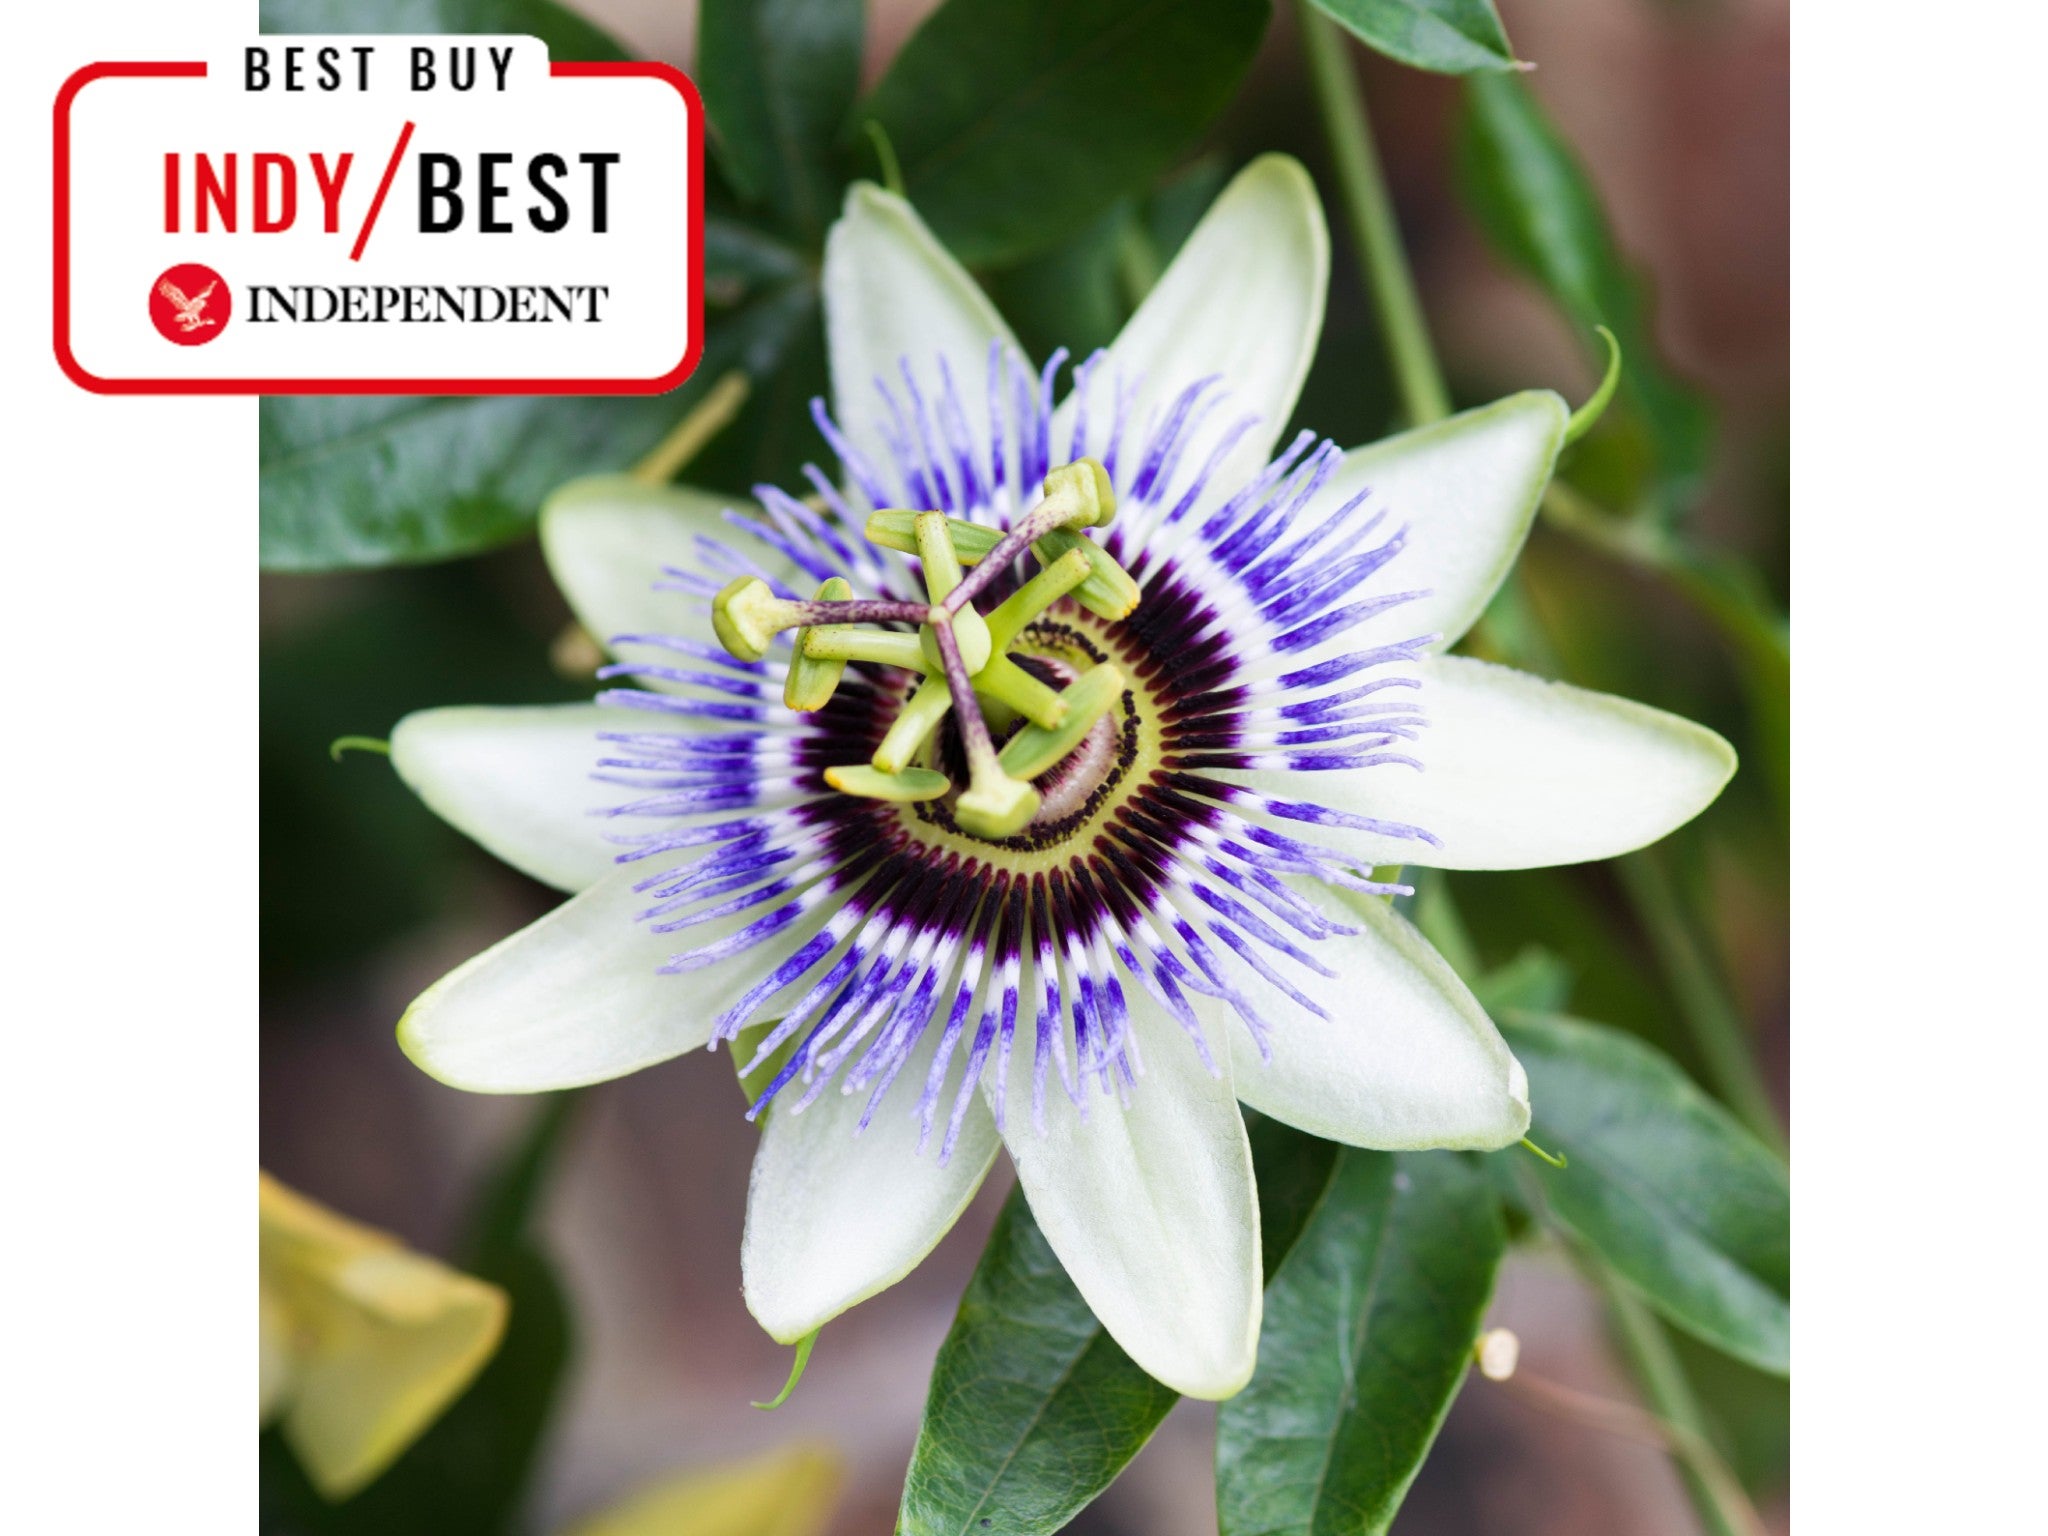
901, 948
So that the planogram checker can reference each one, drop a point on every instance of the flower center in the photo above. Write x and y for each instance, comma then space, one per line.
1076, 788
1019, 726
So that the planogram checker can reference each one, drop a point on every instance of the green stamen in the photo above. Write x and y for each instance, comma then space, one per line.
1009, 684
919, 717
1110, 592
941, 575
1082, 490
962, 654
870, 783
995, 805
1035, 596
898, 531
890, 647
747, 616
813, 679
935, 550
1035, 750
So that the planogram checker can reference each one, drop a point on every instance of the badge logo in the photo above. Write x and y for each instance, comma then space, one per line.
190, 304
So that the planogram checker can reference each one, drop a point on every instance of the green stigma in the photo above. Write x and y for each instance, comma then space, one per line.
963, 655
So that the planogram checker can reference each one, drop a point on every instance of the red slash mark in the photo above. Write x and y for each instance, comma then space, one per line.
383, 187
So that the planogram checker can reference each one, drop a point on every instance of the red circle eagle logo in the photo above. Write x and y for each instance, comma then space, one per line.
190, 304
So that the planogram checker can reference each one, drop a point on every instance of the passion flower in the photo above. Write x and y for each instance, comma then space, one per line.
1022, 785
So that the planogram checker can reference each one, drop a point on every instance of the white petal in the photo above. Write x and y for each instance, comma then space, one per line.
1244, 299
1466, 489
834, 1217
608, 537
1405, 1058
1520, 773
893, 295
579, 996
518, 780
1151, 1209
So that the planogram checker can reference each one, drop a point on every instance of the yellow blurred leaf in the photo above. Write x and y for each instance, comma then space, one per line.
790, 1492
364, 1341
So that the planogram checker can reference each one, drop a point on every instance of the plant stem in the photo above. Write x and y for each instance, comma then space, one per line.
702, 422
1724, 1509
1340, 102
1716, 1025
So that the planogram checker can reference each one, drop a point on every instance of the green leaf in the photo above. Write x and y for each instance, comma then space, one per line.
1540, 209
1534, 981
1177, 204
1075, 295
1033, 1408
1368, 1333
567, 35
1017, 123
1452, 37
740, 260
1663, 1184
778, 77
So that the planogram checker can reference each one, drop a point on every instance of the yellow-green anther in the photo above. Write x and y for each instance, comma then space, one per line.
1089, 697
970, 629
941, 575
898, 530
1083, 491
1009, 684
870, 783
1051, 584
812, 679
747, 616
995, 805
935, 552
842, 642
918, 718
1110, 592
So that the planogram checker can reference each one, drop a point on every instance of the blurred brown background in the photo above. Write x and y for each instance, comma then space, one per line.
1680, 109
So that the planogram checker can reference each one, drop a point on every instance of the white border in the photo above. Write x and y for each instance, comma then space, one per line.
1919, 1036
129, 1134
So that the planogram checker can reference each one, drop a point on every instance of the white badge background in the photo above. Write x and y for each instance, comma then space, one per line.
122, 127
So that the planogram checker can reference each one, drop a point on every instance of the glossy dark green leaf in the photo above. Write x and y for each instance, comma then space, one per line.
1017, 123
1368, 1335
1033, 1408
468, 1475
778, 77
1663, 1184
1177, 204
1541, 210
1452, 37
740, 260
1078, 294
567, 35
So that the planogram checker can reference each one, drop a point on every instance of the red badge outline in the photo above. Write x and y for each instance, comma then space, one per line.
79, 374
